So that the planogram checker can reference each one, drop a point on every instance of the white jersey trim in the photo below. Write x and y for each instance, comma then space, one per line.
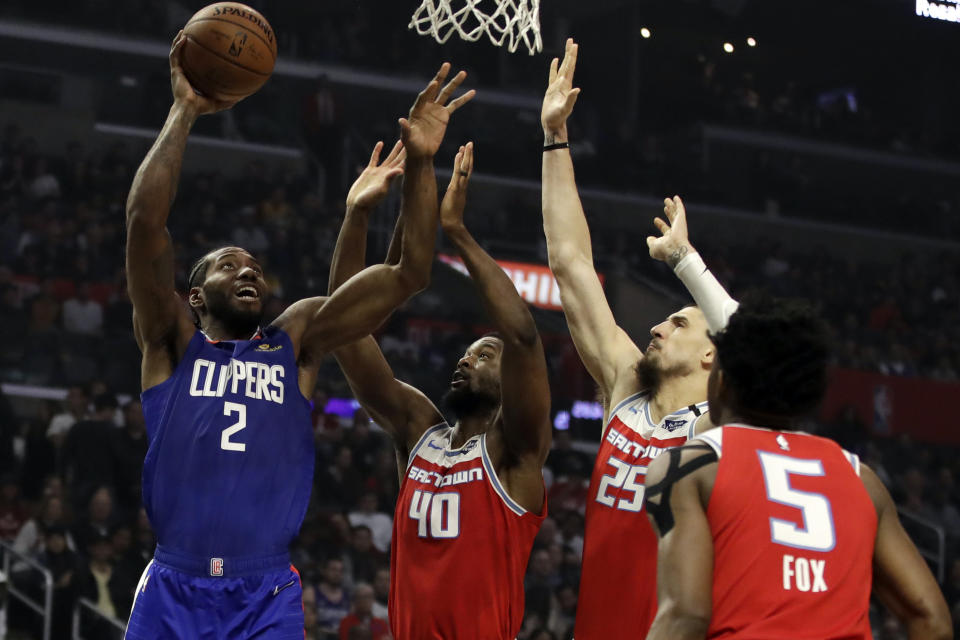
423, 438
141, 585
714, 438
621, 405
853, 459
495, 480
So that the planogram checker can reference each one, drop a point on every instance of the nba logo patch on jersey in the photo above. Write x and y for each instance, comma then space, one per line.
673, 425
216, 566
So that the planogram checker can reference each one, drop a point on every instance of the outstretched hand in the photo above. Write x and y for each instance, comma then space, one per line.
674, 244
455, 199
422, 132
560, 96
373, 183
183, 91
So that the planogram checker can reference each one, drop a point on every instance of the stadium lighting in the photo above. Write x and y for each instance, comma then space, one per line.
644, 32
728, 47
751, 42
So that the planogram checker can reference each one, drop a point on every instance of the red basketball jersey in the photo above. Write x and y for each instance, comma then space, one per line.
460, 546
793, 531
618, 583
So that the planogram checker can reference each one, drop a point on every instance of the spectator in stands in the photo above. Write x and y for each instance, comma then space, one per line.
128, 567
87, 458
339, 482
75, 410
379, 524
381, 593
81, 314
363, 557
13, 512
128, 449
95, 574
333, 601
361, 615
29, 540
63, 564
311, 627
43, 183
98, 521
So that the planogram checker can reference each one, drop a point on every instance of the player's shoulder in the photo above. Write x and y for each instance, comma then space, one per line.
677, 463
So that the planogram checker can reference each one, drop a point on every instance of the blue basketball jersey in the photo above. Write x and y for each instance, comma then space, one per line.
229, 467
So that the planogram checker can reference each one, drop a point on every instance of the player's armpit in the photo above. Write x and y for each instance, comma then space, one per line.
685, 553
902, 580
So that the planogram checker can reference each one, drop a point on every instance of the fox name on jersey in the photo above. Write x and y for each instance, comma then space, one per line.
255, 380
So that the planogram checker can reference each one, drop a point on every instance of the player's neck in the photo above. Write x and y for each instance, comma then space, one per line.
469, 426
216, 331
678, 392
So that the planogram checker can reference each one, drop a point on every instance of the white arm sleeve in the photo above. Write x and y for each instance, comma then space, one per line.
707, 292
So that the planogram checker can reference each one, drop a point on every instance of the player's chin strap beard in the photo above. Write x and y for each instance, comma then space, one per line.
660, 510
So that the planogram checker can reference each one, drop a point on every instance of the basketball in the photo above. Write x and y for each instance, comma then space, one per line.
230, 51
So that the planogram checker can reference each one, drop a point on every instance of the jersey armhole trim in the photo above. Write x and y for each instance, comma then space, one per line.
495, 480
423, 438
854, 461
621, 405
713, 438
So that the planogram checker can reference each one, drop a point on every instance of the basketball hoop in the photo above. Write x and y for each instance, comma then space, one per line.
511, 21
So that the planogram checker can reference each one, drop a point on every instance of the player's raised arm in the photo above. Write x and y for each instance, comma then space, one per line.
673, 247
403, 411
606, 350
525, 390
162, 324
685, 552
360, 305
901, 578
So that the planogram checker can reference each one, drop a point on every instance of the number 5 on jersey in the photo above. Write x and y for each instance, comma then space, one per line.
437, 514
817, 532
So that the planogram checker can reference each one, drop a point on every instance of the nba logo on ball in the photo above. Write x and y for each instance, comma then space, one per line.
216, 566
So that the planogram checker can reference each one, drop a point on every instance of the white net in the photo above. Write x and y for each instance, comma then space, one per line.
510, 21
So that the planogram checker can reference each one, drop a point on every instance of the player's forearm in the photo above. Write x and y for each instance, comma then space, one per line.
498, 294
931, 628
564, 222
349, 254
716, 304
420, 212
155, 184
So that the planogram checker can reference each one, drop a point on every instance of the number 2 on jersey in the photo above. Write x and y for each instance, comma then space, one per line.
625, 478
438, 512
229, 408
817, 532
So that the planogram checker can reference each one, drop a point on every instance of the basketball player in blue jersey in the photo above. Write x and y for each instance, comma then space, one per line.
227, 476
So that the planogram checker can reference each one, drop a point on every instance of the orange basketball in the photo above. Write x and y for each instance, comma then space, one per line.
230, 50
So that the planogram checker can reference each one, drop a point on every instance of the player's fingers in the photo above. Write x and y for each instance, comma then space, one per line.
434, 87
650, 241
404, 125
661, 225
571, 99
175, 49
462, 100
427, 94
569, 60
553, 70
375, 154
450, 87
394, 152
401, 158
468, 160
455, 176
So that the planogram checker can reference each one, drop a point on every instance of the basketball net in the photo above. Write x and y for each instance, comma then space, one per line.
512, 21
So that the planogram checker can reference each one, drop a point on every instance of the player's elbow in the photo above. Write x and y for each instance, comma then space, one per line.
411, 280
684, 621
564, 258
934, 624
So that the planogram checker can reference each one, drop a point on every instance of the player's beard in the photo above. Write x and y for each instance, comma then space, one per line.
651, 373
465, 402
237, 321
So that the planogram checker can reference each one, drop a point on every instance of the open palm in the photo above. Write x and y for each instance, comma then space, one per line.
422, 132
373, 183
560, 97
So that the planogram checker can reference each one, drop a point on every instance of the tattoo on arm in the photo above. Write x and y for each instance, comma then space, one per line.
658, 495
676, 256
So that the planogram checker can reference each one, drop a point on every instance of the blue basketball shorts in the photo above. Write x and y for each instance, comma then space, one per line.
171, 604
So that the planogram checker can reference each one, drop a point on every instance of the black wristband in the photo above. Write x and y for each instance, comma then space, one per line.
558, 145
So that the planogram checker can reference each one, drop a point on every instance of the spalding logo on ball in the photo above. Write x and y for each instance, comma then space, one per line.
230, 51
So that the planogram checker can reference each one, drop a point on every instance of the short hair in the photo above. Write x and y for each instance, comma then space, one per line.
198, 272
774, 354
